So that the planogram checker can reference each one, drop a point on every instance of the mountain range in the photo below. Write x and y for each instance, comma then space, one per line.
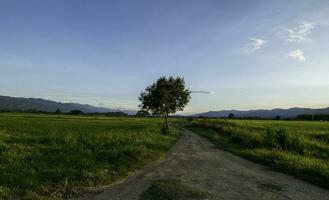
23, 104
283, 113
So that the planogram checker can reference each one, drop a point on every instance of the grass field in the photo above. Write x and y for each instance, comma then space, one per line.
294, 147
58, 156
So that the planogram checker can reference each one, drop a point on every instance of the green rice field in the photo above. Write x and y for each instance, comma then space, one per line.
59, 156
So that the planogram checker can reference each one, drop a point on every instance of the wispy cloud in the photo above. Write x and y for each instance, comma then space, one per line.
254, 44
298, 55
299, 32
202, 92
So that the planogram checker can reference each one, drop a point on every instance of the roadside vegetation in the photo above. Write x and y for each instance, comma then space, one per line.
59, 156
297, 148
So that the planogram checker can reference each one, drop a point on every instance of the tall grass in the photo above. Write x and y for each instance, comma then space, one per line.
57, 157
297, 148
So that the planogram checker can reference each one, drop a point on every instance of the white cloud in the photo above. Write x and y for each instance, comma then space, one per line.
254, 44
298, 55
202, 92
299, 32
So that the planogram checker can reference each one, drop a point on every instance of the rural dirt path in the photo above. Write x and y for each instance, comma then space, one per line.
199, 163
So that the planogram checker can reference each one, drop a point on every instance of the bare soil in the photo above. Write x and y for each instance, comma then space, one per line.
197, 162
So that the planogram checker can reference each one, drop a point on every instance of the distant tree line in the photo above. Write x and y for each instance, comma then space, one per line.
72, 112
316, 117
25, 111
144, 113
302, 117
108, 114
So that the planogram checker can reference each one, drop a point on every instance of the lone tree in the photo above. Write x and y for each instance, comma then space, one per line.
231, 116
165, 96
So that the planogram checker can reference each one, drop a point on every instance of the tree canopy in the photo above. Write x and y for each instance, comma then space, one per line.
165, 96
231, 116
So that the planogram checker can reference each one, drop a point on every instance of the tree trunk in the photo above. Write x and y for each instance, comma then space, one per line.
166, 122
166, 126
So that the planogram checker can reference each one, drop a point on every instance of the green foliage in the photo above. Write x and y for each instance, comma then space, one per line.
58, 156
308, 168
294, 147
189, 119
321, 137
115, 114
245, 140
321, 117
142, 113
76, 112
165, 96
283, 140
317, 117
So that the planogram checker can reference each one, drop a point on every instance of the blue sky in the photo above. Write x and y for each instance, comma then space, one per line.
251, 54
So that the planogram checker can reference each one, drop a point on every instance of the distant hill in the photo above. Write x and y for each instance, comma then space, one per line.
283, 113
23, 104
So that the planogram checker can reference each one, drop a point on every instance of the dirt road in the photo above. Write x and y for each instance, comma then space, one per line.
197, 162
